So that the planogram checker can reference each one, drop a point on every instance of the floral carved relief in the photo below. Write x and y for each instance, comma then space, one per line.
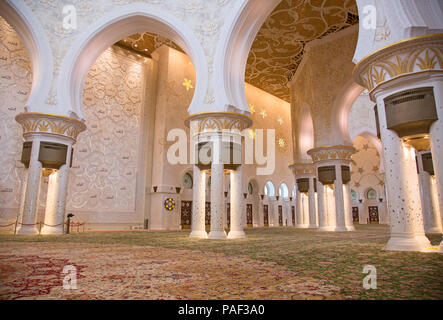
15, 85
105, 160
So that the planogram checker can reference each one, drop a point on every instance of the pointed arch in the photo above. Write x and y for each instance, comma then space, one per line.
121, 22
28, 27
233, 49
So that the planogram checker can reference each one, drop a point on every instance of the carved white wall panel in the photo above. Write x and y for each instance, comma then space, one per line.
15, 84
105, 165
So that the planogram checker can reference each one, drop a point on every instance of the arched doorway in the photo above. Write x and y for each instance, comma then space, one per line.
112, 74
371, 196
186, 203
252, 204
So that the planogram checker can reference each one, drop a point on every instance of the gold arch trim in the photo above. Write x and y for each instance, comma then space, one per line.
52, 115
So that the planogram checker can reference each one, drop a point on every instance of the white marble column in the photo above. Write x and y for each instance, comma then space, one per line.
275, 222
349, 221
305, 215
407, 230
243, 210
330, 205
217, 167
288, 213
339, 200
23, 185
198, 205
236, 230
437, 219
429, 199
316, 209
50, 224
437, 146
256, 216
261, 214
322, 207
56, 198
298, 209
31, 195
312, 209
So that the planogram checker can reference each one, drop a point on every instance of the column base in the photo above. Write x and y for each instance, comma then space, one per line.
350, 228
400, 242
52, 230
273, 225
302, 226
27, 230
341, 229
236, 235
312, 226
325, 228
217, 235
158, 228
201, 234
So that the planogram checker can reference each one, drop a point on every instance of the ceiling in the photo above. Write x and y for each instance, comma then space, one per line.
278, 48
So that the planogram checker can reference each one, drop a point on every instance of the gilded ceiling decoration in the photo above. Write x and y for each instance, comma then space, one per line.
146, 43
278, 48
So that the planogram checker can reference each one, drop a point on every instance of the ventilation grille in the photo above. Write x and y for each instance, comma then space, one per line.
409, 95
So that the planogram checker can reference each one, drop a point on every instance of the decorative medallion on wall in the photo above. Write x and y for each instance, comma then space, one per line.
169, 204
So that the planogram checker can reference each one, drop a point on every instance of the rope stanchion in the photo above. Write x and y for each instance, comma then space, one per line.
76, 224
55, 225
40, 224
6, 225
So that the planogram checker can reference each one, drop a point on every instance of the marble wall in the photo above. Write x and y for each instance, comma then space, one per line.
323, 77
106, 163
366, 175
15, 84
130, 104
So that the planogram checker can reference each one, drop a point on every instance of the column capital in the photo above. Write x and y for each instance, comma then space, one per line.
332, 154
218, 121
407, 57
50, 124
303, 169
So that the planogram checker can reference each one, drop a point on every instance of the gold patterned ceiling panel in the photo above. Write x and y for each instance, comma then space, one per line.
146, 43
278, 48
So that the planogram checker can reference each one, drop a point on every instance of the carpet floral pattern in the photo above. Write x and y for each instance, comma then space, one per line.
119, 272
272, 263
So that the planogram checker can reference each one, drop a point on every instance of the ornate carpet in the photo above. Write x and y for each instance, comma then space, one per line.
35, 271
